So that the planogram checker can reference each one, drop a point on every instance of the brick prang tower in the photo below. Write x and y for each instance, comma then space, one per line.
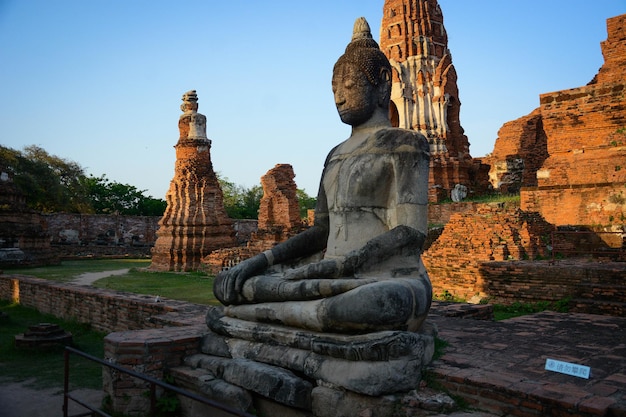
424, 94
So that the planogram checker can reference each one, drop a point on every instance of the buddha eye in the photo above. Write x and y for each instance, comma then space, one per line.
348, 84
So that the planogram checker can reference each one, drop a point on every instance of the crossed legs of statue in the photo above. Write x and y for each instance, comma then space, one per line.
364, 304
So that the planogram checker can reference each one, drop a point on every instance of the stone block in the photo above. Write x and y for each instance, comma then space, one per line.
269, 381
205, 384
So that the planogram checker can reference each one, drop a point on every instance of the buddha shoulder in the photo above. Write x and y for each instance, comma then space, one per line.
401, 140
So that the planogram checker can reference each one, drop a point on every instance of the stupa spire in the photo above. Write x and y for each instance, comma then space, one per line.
424, 95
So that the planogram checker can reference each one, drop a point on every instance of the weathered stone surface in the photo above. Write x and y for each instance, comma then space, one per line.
370, 222
357, 270
273, 382
458, 193
195, 222
377, 346
329, 402
424, 94
206, 384
373, 364
362, 376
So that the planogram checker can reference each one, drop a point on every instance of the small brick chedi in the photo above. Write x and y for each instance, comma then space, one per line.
424, 94
195, 221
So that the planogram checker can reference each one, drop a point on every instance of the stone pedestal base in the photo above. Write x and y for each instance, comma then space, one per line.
269, 367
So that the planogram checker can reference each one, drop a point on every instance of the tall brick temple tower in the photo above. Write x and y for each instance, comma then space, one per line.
195, 221
424, 94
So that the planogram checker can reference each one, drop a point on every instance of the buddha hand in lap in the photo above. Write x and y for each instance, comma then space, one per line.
370, 222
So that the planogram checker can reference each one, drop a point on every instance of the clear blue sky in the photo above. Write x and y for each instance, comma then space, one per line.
99, 82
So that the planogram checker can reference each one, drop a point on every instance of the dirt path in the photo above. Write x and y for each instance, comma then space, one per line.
89, 278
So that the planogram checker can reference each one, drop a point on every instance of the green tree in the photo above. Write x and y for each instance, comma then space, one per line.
149, 206
240, 202
108, 197
49, 183
306, 202
53, 184
243, 203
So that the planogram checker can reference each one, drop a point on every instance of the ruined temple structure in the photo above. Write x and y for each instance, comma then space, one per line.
424, 95
195, 222
279, 211
491, 232
520, 150
24, 238
569, 155
279, 219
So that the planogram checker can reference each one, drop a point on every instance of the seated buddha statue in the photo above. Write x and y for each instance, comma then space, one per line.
358, 268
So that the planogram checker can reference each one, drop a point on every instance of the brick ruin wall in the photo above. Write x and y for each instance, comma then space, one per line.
595, 205
519, 151
493, 232
101, 235
83, 235
583, 181
278, 220
501, 253
106, 310
566, 157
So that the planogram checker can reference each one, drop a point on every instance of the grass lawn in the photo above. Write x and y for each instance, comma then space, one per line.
68, 270
45, 368
503, 312
193, 287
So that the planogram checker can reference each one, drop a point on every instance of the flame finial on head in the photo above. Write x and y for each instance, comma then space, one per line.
364, 52
361, 29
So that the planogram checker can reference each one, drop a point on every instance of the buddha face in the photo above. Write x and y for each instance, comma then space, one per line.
355, 96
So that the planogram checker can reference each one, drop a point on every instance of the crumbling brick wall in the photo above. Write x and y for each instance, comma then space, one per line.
494, 232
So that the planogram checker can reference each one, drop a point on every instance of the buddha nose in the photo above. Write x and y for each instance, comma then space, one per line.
339, 98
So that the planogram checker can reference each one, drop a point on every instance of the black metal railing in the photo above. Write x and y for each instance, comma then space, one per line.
93, 410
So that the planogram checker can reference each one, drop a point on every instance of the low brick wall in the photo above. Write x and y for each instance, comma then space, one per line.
101, 229
105, 310
524, 281
593, 287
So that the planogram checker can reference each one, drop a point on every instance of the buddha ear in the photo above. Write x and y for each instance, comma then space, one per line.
384, 87
385, 75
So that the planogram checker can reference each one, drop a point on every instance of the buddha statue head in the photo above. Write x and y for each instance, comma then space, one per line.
361, 78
